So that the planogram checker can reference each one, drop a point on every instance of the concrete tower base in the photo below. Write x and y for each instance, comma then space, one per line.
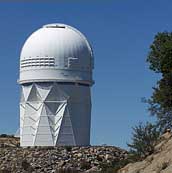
54, 114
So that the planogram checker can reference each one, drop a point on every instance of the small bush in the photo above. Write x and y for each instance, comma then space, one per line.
3, 135
25, 165
105, 166
85, 165
68, 148
11, 136
114, 166
143, 141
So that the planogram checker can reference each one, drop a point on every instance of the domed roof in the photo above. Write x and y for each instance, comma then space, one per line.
57, 47
59, 41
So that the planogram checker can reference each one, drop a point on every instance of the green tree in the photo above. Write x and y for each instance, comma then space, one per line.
144, 138
160, 103
160, 55
160, 61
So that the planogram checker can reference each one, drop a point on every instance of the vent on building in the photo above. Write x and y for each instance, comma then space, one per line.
38, 62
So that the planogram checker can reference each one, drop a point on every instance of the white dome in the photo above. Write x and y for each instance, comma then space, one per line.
56, 52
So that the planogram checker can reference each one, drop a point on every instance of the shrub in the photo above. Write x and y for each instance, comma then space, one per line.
3, 135
25, 165
68, 148
143, 141
114, 166
85, 165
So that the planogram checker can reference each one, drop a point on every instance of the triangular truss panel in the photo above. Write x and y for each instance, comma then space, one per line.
58, 120
26, 91
56, 94
52, 106
35, 105
48, 111
34, 94
49, 118
29, 110
66, 135
43, 90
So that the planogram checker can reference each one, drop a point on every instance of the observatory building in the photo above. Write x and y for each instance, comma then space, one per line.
56, 64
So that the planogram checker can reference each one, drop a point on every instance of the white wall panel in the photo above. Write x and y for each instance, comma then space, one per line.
56, 120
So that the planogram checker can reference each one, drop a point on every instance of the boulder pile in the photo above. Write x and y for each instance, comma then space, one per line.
16, 159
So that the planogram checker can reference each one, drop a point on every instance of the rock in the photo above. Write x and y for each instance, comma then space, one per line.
61, 164
92, 170
49, 159
79, 155
108, 156
166, 135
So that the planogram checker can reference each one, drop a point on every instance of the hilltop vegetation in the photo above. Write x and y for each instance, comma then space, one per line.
158, 162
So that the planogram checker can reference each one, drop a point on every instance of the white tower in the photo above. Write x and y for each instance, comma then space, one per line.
56, 65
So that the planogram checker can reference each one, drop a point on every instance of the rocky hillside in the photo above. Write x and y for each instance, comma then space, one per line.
9, 141
14, 159
159, 162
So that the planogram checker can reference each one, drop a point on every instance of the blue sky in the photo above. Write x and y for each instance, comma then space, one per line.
120, 33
